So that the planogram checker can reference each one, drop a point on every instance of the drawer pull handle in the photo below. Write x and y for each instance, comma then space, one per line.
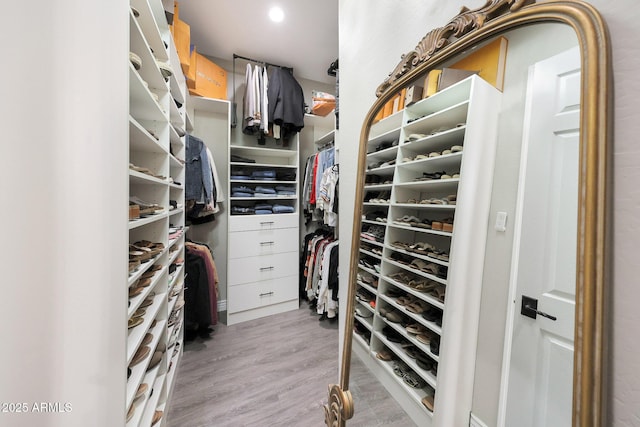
266, 268
266, 294
266, 243
266, 223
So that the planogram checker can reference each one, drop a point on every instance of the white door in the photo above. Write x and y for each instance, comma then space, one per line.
538, 374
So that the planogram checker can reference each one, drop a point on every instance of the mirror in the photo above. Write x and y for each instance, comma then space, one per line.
464, 209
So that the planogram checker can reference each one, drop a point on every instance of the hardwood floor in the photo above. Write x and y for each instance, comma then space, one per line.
272, 372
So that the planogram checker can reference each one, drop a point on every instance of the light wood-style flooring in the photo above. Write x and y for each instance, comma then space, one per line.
272, 372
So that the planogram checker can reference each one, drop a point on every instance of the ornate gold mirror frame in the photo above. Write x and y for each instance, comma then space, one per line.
465, 30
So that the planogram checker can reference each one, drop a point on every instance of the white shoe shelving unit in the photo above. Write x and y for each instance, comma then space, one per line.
157, 125
401, 148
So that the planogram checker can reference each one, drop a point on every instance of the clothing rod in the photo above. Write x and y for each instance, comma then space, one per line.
235, 56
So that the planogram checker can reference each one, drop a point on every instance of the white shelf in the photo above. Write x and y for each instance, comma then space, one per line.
139, 372
152, 404
145, 221
137, 300
149, 26
141, 140
149, 70
136, 334
326, 139
174, 162
142, 178
142, 106
210, 105
369, 288
415, 394
263, 165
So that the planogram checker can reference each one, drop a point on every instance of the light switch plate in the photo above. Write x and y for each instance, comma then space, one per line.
501, 221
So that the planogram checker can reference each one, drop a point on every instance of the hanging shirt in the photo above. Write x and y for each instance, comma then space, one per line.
249, 102
264, 111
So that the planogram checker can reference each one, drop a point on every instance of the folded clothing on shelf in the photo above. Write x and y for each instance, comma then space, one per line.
239, 174
283, 209
241, 191
286, 190
286, 175
240, 210
264, 174
240, 159
269, 191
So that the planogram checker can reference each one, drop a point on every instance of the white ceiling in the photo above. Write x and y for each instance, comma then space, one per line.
306, 40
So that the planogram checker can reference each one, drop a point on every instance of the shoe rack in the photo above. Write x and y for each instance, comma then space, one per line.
425, 215
157, 125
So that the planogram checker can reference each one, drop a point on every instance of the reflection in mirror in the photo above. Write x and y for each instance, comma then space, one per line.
470, 203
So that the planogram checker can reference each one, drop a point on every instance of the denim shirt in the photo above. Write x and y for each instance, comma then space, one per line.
198, 175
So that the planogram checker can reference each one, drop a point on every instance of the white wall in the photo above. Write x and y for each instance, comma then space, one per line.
372, 37
64, 190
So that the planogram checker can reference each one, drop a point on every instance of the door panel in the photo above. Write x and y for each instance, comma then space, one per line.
540, 369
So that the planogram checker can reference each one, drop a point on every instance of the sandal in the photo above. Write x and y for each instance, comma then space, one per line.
401, 277
384, 355
418, 307
418, 264
427, 401
405, 300
412, 351
422, 248
413, 380
424, 339
394, 316
425, 223
424, 286
438, 293
424, 362
416, 329
400, 369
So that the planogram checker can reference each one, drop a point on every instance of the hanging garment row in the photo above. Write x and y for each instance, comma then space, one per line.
203, 191
201, 290
319, 280
320, 188
273, 104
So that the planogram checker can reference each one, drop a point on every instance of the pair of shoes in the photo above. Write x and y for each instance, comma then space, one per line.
394, 316
139, 356
384, 355
411, 378
434, 346
433, 315
427, 401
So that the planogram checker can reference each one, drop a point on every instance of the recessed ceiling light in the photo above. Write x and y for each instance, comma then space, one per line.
276, 14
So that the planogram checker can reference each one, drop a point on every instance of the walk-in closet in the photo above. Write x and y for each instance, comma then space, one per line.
305, 214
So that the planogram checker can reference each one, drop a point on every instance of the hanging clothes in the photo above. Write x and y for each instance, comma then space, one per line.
249, 102
327, 299
202, 186
285, 103
328, 195
204, 252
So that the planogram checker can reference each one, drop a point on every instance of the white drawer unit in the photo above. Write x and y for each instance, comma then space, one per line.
263, 229
262, 222
263, 242
249, 296
263, 267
